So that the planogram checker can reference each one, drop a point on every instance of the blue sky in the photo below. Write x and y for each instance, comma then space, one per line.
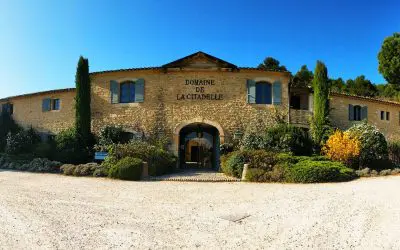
41, 41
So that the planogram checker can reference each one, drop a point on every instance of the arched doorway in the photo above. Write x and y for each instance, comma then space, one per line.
199, 146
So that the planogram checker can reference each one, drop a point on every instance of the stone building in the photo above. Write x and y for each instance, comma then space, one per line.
198, 102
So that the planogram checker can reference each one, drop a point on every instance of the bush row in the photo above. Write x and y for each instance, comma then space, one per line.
266, 166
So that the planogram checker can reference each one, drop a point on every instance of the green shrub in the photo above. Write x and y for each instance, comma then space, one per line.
159, 160
232, 163
87, 169
226, 148
280, 138
373, 143
288, 138
394, 152
7, 125
21, 142
128, 168
44, 150
309, 171
69, 147
275, 174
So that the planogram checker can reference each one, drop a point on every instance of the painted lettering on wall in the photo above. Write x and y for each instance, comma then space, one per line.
200, 90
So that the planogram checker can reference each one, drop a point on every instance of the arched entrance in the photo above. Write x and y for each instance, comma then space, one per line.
199, 146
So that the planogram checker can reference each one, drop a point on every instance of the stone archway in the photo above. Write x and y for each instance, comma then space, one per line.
183, 127
183, 124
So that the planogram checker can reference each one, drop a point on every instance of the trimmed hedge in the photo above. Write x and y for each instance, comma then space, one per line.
128, 168
266, 166
159, 160
309, 171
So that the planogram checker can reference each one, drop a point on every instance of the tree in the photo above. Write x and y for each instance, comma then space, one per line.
82, 101
272, 64
337, 85
389, 59
303, 78
361, 87
320, 126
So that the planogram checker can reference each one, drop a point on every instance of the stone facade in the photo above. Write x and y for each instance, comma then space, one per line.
27, 110
340, 113
168, 104
161, 108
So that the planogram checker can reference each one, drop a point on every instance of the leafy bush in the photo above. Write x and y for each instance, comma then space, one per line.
128, 168
110, 135
226, 148
282, 138
275, 174
341, 147
394, 152
372, 141
21, 142
7, 125
87, 169
69, 147
36, 165
288, 138
232, 163
309, 171
44, 150
159, 160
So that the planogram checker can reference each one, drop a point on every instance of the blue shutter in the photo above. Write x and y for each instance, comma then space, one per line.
351, 112
277, 93
251, 91
46, 104
139, 90
114, 91
364, 113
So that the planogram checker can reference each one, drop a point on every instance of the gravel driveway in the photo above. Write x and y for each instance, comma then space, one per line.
54, 211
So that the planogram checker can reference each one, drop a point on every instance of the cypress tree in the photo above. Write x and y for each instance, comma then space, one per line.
82, 102
320, 123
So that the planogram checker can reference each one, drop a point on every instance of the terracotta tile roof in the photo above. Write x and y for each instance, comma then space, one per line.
366, 98
122, 70
38, 93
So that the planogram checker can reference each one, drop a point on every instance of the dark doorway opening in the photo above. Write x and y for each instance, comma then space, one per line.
199, 147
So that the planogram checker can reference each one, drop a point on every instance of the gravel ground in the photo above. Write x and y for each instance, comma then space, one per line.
54, 211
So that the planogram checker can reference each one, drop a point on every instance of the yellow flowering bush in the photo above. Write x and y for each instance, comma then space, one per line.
340, 146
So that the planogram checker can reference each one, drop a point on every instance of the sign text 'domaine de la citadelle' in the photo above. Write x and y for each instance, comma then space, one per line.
200, 93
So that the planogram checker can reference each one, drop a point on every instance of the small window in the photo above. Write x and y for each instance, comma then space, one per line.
382, 115
127, 92
7, 108
263, 93
55, 104
357, 113
387, 116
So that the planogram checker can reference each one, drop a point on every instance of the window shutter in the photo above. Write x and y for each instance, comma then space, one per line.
114, 91
277, 93
251, 91
139, 90
364, 113
46, 104
351, 112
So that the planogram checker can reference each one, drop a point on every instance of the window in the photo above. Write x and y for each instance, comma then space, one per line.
385, 115
263, 93
49, 104
7, 108
127, 92
357, 113
55, 104
295, 102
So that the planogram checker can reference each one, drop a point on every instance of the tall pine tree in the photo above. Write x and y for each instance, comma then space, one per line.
82, 102
320, 123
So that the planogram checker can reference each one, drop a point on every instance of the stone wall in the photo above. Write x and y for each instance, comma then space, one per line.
340, 114
28, 111
161, 108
